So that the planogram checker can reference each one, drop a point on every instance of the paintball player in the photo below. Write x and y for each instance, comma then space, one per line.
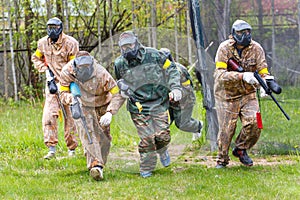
181, 111
53, 52
235, 92
98, 89
152, 80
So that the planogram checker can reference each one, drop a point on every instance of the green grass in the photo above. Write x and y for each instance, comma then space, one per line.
26, 175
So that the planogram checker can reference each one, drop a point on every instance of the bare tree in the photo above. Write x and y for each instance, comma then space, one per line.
4, 51
49, 8
153, 23
273, 35
12, 53
299, 24
222, 14
99, 28
67, 21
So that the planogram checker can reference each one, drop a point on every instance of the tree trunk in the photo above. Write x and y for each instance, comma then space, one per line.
299, 24
153, 23
188, 33
67, 21
99, 29
260, 17
6, 83
222, 18
111, 26
12, 54
59, 10
49, 8
176, 35
28, 16
273, 38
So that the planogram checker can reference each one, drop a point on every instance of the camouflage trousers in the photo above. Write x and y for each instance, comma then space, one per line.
154, 134
50, 126
96, 153
229, 112
184, 121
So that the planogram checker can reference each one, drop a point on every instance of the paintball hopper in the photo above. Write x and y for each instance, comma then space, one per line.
122, 85
273, 85
51, 82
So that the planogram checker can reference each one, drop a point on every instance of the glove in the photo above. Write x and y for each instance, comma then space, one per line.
249, 78
105, 120
175, 95
262, 92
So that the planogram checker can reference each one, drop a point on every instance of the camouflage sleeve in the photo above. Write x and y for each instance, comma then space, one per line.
116, 103
37, 59
110, 85
171, 72
173, 76
262, 66
221, 74
74, 50
116, 69
66, 77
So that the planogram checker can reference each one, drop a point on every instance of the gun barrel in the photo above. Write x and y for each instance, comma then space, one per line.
61, 106
285, 114
86, 130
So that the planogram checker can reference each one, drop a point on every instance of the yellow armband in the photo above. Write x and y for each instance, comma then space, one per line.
221, 65
167, 64
114, 90
38, 53
64, 88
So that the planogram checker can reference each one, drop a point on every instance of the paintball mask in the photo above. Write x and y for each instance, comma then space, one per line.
129, 45
167, 53
83, 68
54, 28
243, 37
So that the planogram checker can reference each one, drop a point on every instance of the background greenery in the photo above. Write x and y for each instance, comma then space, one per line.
26, 175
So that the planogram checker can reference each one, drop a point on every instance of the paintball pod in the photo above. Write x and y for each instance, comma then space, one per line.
269, 88
125, 91
53, 88
234, 66
76, 108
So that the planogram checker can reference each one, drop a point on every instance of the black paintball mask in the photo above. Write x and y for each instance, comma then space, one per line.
244, 37
129, 45
54, 28
243, 40
83, 67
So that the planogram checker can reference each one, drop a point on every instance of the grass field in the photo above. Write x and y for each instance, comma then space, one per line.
26, 175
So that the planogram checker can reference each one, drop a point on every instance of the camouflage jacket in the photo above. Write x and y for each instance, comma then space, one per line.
151, 77
100, 90
55, 55
228, 85
188, 96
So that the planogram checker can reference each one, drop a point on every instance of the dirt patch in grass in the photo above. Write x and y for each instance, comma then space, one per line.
182, 154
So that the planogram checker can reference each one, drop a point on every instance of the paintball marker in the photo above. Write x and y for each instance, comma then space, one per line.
269, 92
53, 89
76, 108
125, 89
